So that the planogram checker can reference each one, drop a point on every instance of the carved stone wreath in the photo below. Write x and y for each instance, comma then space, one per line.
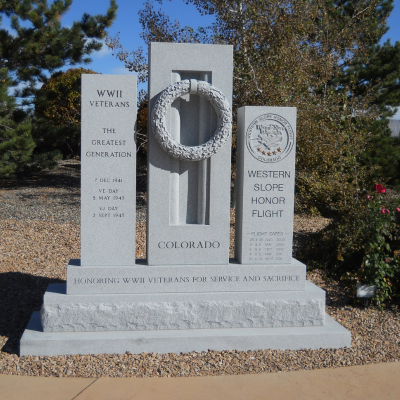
221, 107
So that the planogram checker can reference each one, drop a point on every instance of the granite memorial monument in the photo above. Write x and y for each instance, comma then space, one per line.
187, 295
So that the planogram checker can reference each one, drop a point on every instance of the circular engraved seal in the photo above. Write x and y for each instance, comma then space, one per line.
270, 138
221, 107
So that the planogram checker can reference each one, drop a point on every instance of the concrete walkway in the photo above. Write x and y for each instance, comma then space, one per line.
378, 381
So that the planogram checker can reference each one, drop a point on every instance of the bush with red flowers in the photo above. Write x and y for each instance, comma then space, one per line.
362, 246
379, 188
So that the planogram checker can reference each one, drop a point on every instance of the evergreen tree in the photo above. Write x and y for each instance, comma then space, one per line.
377, 70
36, 47
381, 72
16, 143
40, 44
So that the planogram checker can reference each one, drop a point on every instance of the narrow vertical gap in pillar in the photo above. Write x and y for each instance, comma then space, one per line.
207, 215
174, 129
204, 136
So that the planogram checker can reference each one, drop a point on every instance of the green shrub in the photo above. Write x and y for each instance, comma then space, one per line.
58, 113
362, 246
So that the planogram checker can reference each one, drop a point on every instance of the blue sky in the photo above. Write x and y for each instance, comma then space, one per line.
127, 24
394, 33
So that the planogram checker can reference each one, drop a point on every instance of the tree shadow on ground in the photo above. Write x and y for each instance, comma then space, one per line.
66, 176
337, 294
69, 198
20, 295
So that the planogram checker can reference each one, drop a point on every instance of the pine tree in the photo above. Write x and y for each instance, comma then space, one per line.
377, 71
382, 73
36, 47
41, 45
378, 68
16, 143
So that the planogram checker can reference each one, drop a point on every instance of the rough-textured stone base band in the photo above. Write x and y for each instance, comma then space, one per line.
36, 342
142, 278
137, 312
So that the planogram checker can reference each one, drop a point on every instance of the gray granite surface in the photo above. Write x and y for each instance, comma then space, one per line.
36, 342
265, 173
62, 312
108, 170
188, 201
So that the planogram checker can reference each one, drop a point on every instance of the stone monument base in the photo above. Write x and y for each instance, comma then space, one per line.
62, 312
181, 322
36, 342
